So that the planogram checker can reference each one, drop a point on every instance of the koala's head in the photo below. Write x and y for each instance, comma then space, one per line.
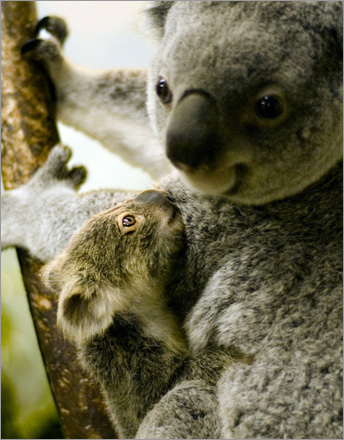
120, 256
247, 96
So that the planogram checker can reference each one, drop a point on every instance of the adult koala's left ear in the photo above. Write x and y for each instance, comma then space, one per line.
154, 19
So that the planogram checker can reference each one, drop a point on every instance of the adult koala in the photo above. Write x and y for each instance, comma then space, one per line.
247, 99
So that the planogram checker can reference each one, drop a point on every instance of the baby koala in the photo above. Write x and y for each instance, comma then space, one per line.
120, 261
111, 282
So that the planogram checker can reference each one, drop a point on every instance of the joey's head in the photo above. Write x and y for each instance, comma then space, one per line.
132, 245
122, 255
247, 96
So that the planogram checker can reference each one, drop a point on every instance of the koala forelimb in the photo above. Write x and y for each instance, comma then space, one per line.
118, 100
52, 182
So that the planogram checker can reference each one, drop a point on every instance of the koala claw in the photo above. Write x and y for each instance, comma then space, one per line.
55, 168
42, 49
49, 36
30, 45
77, 176
54, 26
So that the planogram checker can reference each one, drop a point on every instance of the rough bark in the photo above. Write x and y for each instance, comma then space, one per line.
28, 133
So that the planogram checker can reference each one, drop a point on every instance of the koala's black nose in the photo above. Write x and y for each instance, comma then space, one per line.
193, 131
153, 196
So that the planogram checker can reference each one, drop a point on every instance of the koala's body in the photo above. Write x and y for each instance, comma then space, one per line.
246, 98
111, 282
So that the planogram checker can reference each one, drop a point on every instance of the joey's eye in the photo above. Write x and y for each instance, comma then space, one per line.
269, 107
163, 91
128, 221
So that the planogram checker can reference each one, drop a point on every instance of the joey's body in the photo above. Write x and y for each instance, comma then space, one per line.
111, 281
245, 99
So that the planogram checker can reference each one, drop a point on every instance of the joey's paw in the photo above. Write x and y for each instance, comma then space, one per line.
55, 168
52, 25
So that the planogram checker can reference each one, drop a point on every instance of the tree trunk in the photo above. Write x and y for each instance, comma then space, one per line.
28, 134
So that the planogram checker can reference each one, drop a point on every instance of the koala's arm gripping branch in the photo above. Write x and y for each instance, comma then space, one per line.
28, 133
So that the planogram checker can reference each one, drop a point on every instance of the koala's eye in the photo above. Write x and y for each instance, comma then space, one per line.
266, 109
269, 107
128, 221
163, 91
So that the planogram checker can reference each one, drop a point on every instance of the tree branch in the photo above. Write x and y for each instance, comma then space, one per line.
28, 134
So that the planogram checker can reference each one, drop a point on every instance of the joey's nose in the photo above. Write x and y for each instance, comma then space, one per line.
193, 131
153, 196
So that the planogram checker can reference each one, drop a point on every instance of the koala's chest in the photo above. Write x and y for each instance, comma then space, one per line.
247, 247
247, 277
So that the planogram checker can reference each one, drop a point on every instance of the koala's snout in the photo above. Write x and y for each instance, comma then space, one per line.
168, 212
156, 197
193, 131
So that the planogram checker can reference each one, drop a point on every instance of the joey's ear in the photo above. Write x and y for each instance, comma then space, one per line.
51, 273
84, 310
154, 18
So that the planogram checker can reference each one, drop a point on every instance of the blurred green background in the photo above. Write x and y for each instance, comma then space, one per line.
27, 409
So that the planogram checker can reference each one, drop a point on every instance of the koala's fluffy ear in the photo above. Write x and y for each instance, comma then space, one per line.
85, 306
51, 273
84, 311
155, 17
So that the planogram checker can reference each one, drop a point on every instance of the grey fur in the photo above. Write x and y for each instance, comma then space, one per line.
236, 52
260, 282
